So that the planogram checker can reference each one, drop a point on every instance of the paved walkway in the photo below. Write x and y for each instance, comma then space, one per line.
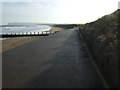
56, 61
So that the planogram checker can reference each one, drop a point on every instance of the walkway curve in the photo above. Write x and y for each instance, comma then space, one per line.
56, 61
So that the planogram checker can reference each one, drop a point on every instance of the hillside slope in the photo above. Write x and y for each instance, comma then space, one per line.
102, 39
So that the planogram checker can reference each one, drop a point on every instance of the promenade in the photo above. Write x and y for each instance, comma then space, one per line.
56, 61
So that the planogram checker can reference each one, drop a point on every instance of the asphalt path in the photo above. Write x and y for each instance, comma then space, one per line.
56, 61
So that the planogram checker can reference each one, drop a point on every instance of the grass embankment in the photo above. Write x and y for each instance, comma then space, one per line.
102, 39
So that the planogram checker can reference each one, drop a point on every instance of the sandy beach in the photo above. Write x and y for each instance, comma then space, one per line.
11, 43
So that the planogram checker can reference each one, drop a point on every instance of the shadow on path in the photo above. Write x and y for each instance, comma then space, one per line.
70, 68
57, 61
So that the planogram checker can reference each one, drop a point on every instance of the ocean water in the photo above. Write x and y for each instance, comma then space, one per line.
22, 29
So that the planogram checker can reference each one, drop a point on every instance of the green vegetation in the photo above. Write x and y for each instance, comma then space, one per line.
102, 39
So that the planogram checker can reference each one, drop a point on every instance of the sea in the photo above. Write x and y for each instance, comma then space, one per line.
8, 29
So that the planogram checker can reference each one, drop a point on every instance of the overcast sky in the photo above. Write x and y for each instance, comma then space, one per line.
55, 11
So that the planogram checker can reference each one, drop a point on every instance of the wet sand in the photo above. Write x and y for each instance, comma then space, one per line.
11, 43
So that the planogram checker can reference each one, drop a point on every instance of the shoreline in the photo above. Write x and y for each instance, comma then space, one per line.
11, 43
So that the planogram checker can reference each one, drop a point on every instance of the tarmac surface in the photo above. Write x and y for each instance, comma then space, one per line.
56, 61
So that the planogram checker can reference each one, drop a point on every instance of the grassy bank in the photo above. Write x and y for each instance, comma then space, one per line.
102, 39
